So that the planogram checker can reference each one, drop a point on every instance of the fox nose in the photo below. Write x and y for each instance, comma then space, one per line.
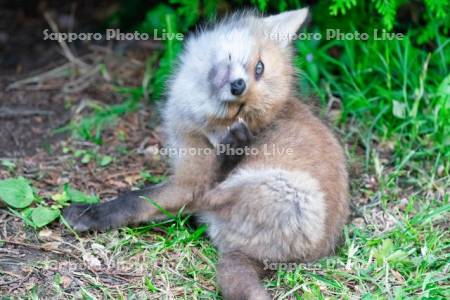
238, 87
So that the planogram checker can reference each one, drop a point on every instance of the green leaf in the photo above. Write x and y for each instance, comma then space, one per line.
86, 158
341, 6
8, 164
16, 192
79, 197
387, 9
78, 153
106, 160
26, 216
147, 176
61, 197
42, 216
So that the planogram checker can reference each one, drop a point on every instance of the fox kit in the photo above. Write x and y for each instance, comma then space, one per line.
286, 201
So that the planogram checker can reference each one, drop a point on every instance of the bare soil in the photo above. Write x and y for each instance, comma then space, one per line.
30, 258
33, 103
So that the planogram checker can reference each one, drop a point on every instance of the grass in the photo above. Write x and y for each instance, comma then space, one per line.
411, 260
394, 120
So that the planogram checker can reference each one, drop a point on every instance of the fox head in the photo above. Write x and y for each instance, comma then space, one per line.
240, 67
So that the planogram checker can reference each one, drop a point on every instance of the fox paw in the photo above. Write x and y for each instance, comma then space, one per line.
85, 217
234, 142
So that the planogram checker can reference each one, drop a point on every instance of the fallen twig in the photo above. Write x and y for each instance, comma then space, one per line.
66, 50
82, 82
8, 113
53, 73
21, 282
38, 247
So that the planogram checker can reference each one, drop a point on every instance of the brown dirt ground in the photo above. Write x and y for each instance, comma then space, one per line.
29, 142
28, 115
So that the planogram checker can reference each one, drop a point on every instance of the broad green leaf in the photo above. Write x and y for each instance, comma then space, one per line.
86, 158
42, 216
77, 196
16, 192
78, 153
106, 160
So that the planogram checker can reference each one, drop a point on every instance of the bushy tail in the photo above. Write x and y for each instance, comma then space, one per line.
239, 277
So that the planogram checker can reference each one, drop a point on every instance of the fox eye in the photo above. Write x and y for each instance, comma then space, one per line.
259, 70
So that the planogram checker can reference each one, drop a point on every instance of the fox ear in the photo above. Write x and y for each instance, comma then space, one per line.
284, 26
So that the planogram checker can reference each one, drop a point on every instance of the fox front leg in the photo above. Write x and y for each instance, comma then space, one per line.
128, 208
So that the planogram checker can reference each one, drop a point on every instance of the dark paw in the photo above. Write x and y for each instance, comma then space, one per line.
85, 217
238, 135
235, 141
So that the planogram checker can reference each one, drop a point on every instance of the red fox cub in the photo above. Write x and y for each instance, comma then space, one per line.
284, 200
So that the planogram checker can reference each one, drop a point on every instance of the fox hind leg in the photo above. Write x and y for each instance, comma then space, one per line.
239, 277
